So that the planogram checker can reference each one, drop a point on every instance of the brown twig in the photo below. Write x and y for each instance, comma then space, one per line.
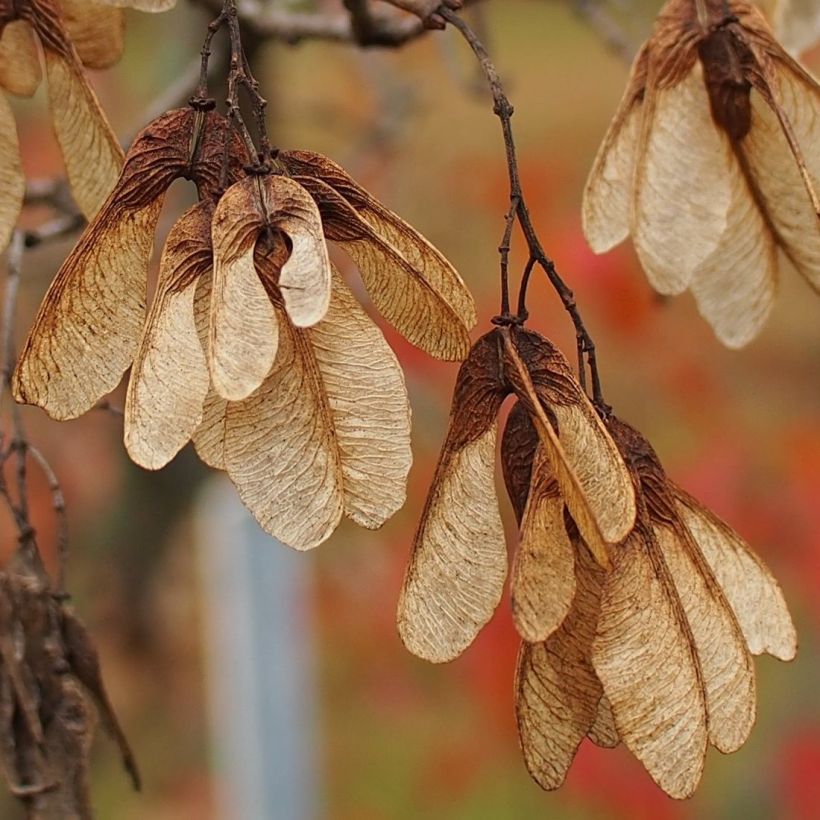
504, 111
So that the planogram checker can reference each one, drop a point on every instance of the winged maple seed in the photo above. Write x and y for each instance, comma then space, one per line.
459, 562
655, 651
71, 33
49, 669
711, 164
88, 327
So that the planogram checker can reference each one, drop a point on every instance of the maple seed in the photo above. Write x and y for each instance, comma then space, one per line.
656, 651
458, 566
713, 97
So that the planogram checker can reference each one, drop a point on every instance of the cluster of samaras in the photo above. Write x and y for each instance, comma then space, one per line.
639, 610
712, 164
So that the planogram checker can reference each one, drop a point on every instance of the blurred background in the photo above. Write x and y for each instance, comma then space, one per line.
210, 632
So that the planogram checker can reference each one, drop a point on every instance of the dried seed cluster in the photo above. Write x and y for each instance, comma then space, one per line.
637, 607
254, 347
711, 164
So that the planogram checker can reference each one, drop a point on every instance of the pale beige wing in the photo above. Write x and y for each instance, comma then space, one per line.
459, 563
608, 192
643, 656
88, 327
244, 331
398, 291
97, 31
682, 186
749, 587
557, 691
209, 438
735, 287
143, 5
12, 180
427, 260
91, 153
543, 578
20, 72
169, 378
788, 194
603, 731
280, 448
367, 399
728, 676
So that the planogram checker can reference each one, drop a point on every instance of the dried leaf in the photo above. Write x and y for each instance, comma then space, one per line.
20, 72
425, 259
91, 152
457, 569
608, 191
543, 581
399, 292
367, 400
728, 676
169, 378
557, 691
749, 587
243, 336
12, 180
644, 658
96, 32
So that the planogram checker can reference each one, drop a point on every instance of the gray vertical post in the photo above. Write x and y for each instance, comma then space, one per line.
259, 662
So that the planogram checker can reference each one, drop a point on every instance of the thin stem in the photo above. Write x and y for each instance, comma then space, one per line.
503, 109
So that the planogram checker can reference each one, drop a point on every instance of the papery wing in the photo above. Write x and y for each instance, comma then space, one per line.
557, 691
456, 573
96, 31
429, 263
280, 448
20, 72
91, 152
749, 587
169, 378
368, 404
728, 676
12, 180
682, 184
608, 190
398, 291
644, 658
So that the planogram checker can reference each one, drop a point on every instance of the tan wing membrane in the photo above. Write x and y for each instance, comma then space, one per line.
543, 582
142, 5
608, 191
88, 327
280, 449
20, 72
90, 150
557, 691
244, 332
749, 587
643, 657
678, 224
12, 180
728, 676
96, 31
429, 263
368, 403
603, 731
459, 563
169, 378
407, 300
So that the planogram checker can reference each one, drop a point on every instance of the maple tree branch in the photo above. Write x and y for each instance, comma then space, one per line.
503, 109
